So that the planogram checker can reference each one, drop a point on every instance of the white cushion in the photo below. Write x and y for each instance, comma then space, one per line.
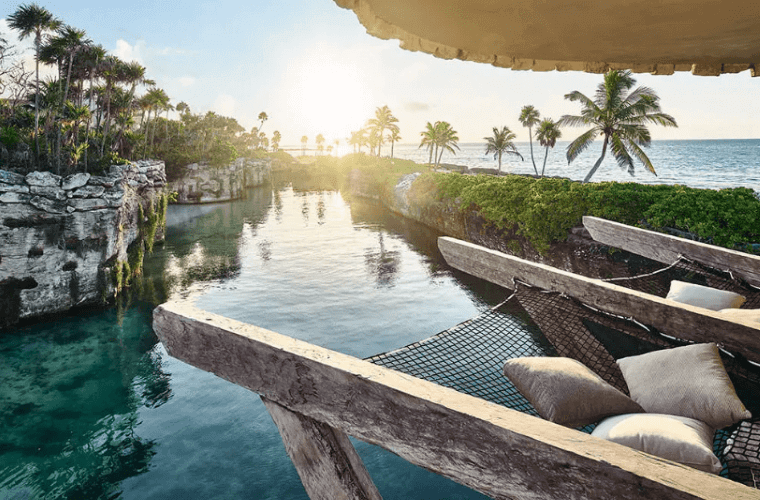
689, 381
704, 296
566, 391
680, 439
751, 315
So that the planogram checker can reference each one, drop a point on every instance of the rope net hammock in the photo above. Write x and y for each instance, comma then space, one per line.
532, 322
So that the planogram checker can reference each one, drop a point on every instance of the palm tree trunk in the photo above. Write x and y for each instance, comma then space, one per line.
499, 172
392, 144
37, 43
598, 162
545, 157
530, 137
430, 159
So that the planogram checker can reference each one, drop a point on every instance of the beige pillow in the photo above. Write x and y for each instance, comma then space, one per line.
704, 296
680, 439
566, 391
689, 381
751, 315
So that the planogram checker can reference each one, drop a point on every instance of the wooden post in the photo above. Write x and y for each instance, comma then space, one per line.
326, 461
666, 248
500, 452
680, 320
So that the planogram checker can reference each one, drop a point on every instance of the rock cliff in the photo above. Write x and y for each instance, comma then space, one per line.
203, 183
62, 240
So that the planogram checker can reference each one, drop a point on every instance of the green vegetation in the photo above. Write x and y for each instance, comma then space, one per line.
502, 142
544, 210
621, 117
441, 137
547, 134
529, 117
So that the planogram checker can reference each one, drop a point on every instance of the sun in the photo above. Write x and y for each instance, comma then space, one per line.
331, 98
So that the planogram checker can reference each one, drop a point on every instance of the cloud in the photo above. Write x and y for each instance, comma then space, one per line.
127, 52
416, 107
186, 81
225, 105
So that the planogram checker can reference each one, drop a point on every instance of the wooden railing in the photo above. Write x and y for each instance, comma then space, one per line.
318, 397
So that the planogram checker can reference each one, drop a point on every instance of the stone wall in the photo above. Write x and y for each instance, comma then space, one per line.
60, 237
203, 183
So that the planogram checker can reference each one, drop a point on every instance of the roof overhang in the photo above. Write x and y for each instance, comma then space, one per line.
706, 37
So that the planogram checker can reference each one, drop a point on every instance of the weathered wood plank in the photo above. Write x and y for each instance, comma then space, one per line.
680, 320
666, 248
500, 452
326, 461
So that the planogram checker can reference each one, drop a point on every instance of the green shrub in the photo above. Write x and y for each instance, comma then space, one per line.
544, 210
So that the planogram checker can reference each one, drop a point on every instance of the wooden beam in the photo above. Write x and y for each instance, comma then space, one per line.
326, 461
666, 248
500, 452
680, 320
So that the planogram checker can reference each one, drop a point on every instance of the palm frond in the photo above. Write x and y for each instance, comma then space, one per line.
573, 121
620, 152
580, 144
642, 157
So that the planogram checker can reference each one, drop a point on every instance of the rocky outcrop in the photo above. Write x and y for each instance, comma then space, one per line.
60, 238
204, 183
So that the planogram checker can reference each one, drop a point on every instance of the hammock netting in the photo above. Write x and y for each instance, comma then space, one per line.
469, 356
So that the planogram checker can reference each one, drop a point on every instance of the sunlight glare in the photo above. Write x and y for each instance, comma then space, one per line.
332, 99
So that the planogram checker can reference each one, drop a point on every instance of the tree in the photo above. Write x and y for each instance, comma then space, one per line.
383, 120
320, 143
337, 143
429, 139
501, 142
446, 139
529, 116
262, 118
394, 136
304, 140
620, 115
276, 138
547, 134
27, 20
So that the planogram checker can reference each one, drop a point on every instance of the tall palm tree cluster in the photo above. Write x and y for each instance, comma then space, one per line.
89, 116
617, 113
438, 137
372, 134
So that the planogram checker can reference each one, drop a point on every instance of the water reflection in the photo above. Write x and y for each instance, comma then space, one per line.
382, 264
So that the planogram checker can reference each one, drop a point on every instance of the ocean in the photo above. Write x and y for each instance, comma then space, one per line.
713, 164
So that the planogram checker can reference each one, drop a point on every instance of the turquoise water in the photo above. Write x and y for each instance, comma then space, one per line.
92, 407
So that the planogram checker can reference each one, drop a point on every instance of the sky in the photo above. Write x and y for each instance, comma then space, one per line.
311, 66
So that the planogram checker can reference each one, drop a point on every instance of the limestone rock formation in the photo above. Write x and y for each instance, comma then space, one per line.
60, 238
203, 183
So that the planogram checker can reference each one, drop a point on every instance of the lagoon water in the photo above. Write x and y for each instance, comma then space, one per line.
91, 406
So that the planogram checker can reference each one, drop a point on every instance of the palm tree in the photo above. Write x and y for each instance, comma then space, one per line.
446, 139
547, 134
320, 143
337, 143
27, 20
500, 143
621, 116
262, 118
304, 140
383, 120
276, 137
394, 136
529, 116
429, 139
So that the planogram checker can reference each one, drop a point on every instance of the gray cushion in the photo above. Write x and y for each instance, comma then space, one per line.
689, 381
680, 439
565, 391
